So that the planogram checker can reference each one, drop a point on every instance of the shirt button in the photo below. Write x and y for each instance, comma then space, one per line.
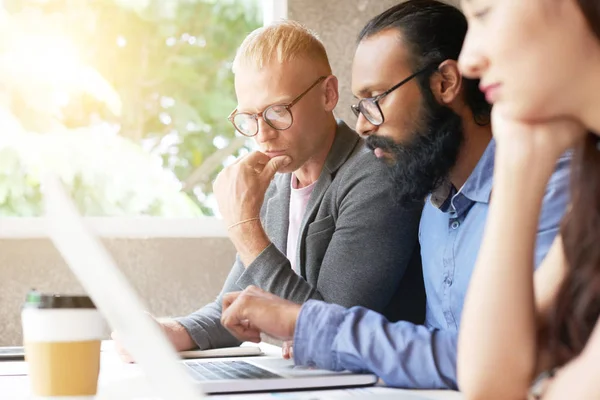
448, 281
455, 225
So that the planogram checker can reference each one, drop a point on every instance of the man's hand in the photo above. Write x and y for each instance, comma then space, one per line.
240, 191
246, 314
175, 332
240, 188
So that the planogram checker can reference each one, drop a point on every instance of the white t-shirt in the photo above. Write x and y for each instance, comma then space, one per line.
298, 202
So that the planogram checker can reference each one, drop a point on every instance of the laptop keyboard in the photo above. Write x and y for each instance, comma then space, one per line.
219, 370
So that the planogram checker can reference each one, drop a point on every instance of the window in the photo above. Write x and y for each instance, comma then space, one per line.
126, 100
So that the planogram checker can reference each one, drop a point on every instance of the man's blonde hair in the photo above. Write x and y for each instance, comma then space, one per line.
281, 41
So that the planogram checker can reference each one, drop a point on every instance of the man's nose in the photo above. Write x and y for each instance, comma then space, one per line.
364, 127
265, 131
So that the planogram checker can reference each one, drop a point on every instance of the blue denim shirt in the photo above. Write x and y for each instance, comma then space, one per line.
424, 356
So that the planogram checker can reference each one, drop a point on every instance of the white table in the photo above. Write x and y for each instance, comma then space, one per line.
126, 381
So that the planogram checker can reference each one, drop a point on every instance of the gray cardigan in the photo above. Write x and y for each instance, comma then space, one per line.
355, 245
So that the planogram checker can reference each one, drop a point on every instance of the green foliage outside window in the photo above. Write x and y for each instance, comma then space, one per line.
125, 99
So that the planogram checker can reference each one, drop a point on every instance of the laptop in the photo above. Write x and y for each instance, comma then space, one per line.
116, 299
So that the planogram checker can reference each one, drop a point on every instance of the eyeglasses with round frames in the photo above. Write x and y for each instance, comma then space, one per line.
278, 116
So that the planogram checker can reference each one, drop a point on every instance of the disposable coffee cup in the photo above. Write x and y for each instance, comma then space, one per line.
62, 336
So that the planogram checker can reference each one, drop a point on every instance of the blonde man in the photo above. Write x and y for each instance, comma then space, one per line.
310, 213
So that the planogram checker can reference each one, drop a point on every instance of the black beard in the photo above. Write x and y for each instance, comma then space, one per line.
421, 165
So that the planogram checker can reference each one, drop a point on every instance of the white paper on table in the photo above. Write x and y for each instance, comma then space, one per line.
14, 368
14, 387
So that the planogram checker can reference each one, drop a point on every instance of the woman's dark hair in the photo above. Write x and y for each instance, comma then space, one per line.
578, 304
434, 32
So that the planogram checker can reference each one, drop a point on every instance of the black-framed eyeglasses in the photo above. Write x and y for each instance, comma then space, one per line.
369, 107
278, 116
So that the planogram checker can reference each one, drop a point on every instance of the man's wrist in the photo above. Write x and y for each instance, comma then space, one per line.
177, 334
244, 226
249, 240
294, 314
241, 222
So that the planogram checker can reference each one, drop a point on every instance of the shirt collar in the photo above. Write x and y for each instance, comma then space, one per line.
477, 188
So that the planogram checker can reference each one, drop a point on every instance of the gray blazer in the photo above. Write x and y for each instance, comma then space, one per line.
355, 245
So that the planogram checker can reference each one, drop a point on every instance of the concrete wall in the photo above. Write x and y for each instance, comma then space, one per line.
338, 23
173, 275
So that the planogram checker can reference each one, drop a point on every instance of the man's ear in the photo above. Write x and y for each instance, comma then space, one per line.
446, 84
332, 94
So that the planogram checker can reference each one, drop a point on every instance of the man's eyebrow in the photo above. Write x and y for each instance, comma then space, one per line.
281, 100
363, 91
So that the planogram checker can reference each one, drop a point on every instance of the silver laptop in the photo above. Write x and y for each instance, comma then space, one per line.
123, 309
